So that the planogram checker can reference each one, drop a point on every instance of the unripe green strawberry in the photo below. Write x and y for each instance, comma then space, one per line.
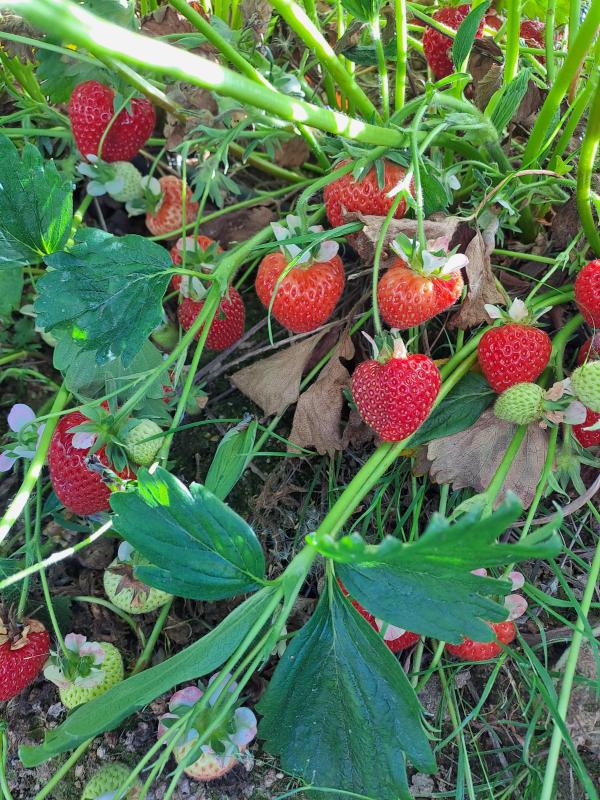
128, 593
131, 177
585, 383
113, 670
139, 447
108, 779
522, 403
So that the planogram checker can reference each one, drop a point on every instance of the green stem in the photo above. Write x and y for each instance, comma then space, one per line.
328, 83
384, 87
574, 17
148, 650
3, 759
298, 20
100, 601
377, 259
60, 773
245, 67
513, 25
549, 42
495, 486
551, 106
74, 24
401, 53
266, 166
29, 555
35, 467
574, 117
585, 171
570, 671
13, 357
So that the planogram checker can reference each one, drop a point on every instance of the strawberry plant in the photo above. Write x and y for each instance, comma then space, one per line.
298, 361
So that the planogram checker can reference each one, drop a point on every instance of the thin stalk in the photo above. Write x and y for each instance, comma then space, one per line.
377, 259
13, 357
43, 579
513, 25
28, 561
74, 24
576, 112
245, 67
549, 42
299, 21
570, 671
551, 106
401, 53
100, 601
328, 83
384, 86
574, 17
148, 650
495, 485
60, 773
266, 166
585, 171
35, 467
6, 794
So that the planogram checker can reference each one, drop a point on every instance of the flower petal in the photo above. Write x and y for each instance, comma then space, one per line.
187, 696
516, 605
83, 440
74, 641
6, 462
518, 580
19, 416
328, 250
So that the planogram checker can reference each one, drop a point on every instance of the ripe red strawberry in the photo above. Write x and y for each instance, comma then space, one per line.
513, 353
394, 397
228, 323
79, 488
407, 297
533, 32
437, 46
469, 650
169, 215
589, 350
192, 260
307, 295
23, 652
365, 196
588, 438
587, 292
91, 108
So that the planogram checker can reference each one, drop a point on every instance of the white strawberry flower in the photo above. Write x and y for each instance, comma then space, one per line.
21, 421
304, 255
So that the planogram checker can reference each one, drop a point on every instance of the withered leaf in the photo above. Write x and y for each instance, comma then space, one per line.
191, 98
239, 225
470, 459
530, 105
485, 66
273, 383
317, 419
292, 153
583, 717
365, 240
482, 284
257, 15
487, 86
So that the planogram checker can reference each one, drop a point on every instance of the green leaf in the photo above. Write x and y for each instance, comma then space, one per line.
11, 289
465, 35
366, 55
84, 377
231, 458
509, 100
36, 206
460, 409
435, 197
199, 547
339, 708
106, 712
427, 586
363, 10
106, 292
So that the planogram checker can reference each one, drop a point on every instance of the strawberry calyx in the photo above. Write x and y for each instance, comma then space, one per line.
229, 739
124, 568
194, 257
80, 665
305, 254
150, 199
435, 260
517, 313
17, 633
387, 345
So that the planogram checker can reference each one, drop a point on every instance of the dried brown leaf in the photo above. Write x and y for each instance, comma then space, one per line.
318, 416
481, 281
487, 86
238, 226
257, 15
191, 98
292, 153
583, 717
274, 383
366, 239
530, 105
469, 459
